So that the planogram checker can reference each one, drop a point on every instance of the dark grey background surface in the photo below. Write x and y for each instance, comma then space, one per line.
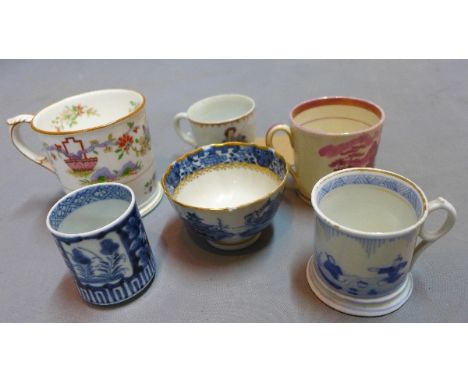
425, 137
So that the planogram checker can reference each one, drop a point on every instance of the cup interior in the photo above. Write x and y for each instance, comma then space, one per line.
221, 109
225, 176
369, 200
337, 115
90, 209
88, 110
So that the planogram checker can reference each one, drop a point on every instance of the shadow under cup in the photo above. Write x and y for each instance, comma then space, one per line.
99, 232
362, 260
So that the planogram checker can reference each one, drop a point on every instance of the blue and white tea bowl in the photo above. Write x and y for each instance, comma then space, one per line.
112, 263
227, 193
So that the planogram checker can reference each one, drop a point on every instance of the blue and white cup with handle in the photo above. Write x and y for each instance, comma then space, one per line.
369, 231
99, 232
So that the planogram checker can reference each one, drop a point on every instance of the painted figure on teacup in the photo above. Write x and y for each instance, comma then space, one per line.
232, 135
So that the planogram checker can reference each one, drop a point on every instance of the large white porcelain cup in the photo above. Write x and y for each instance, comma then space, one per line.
95, 137
218, 119
368, 272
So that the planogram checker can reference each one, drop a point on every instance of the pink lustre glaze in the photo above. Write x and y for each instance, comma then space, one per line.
357, 152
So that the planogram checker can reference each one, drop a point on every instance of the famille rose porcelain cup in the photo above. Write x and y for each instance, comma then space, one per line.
218, 119
227, 193
99, 232
94, 137
367, 226
330, 134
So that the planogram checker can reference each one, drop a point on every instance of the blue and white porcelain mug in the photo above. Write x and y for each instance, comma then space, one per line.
99, 232
368, 222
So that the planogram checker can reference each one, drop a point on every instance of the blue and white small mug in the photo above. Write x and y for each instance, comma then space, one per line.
99, 232
365, 244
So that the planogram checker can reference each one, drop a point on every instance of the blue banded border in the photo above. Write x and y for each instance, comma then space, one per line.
125, 290
213, 155
84, 197
381, 180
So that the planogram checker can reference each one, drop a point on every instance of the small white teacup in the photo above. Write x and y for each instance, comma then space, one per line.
367, 226
218, 119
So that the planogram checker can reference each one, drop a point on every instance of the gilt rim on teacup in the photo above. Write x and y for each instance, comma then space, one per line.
219, 209
368, 234
87, 129
99, 230
338, 100
223, 122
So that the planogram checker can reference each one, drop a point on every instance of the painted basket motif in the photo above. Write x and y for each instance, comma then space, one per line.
85, 164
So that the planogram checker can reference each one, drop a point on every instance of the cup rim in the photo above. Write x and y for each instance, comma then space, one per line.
214, 123
369, 234
338, 100
96, 231
221, 209
97, 127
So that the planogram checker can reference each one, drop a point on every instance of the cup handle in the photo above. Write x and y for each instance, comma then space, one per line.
428, 237
18, 142
186, 136
269, 140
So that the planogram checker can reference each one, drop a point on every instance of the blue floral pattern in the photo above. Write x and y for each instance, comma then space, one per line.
228, 153
137, 240
107, 267
114, 264
386, 277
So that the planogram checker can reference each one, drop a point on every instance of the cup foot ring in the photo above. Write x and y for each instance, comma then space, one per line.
235, 246
357, 306
304, 198
152, 202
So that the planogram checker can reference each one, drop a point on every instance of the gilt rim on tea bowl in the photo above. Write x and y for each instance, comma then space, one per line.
97, 127
220, 209
355, 232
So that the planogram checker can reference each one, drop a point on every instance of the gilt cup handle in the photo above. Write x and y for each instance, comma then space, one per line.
269, 141
18, 142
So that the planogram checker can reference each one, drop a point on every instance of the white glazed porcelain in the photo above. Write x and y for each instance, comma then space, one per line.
367, 273
227, 193
329, 134
218, 119
95, 137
